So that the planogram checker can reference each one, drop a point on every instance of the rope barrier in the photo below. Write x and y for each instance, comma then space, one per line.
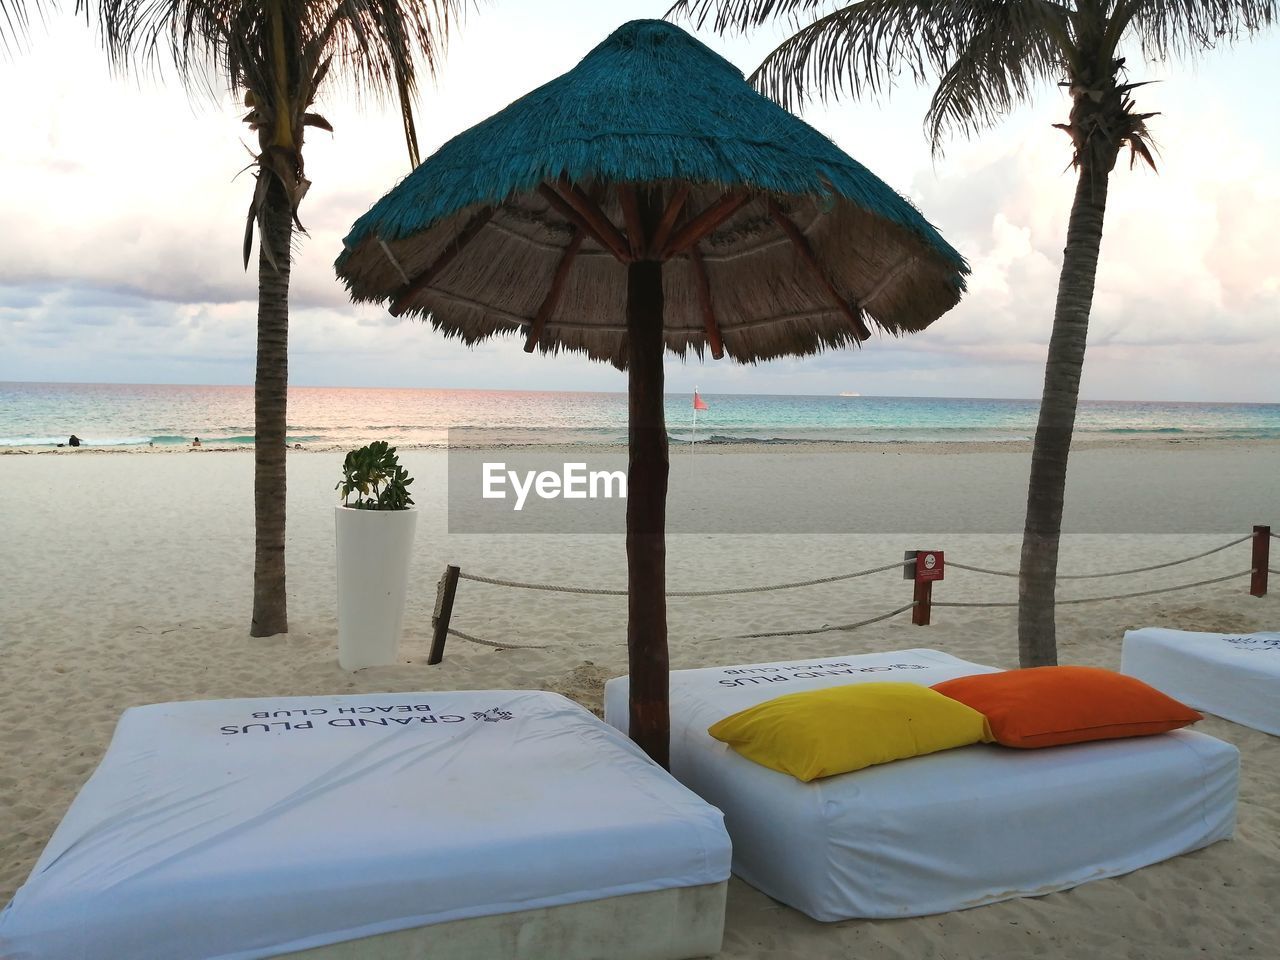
994, 573
557, 588
552, 588
492, 643
1147, 593
444, 600
1117, 596
1113, 573
593, 591
786, 586
806, 633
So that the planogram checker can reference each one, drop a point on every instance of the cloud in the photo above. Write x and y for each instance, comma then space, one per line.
120, 257
1186, 256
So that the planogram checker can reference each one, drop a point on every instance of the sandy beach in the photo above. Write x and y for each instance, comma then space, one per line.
128, 579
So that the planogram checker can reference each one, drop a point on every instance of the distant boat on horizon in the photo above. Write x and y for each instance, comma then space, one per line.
848, 393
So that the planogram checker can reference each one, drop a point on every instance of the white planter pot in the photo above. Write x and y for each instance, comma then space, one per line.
374, 550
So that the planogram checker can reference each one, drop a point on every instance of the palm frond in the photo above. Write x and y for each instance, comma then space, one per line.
14, 13
1142, 146
1000, 66
14, 24
1185, 28
863, 48
280, 53
736, 16
989, 55
858, 49
378, 47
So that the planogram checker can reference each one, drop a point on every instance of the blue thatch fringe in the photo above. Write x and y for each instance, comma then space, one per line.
650, 103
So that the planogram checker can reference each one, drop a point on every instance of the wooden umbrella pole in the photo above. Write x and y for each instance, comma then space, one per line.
650, 722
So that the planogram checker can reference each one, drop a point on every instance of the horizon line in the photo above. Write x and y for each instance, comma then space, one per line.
623, 393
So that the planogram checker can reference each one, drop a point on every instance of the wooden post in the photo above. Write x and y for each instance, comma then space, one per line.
1261, 560
922, 592
923, 596
446, 589
647, 660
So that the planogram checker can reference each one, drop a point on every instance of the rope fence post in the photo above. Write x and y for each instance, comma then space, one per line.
923, 567
446, 589
922, 597
1261, 560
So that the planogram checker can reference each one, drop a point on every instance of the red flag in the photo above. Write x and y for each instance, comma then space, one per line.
698, 402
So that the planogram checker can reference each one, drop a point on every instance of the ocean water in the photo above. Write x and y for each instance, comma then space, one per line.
113, 415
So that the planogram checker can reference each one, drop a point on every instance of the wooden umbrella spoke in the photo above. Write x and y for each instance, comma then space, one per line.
668, 220
589, 210
703, 288
631, 217
706, 221
561, 206
807, 255
400, 301
553, 294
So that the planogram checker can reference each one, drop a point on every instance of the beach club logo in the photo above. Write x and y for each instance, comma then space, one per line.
492, 715
348, 716
572, 482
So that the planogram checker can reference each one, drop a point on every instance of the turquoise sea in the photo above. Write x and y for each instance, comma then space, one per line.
114, 415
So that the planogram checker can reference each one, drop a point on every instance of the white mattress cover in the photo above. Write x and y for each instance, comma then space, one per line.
1233, 675
204, 835
946, 831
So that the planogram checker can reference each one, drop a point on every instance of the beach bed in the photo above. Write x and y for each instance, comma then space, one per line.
451, 825
951, 830
1233, 675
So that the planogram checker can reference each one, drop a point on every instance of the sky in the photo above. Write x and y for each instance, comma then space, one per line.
122, 218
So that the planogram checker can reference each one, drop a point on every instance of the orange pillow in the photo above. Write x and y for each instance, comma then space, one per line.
1047, 706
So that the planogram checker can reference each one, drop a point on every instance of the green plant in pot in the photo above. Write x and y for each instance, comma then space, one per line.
374, 523
374, 475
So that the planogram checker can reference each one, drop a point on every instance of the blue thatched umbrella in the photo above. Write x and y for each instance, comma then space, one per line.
648, 199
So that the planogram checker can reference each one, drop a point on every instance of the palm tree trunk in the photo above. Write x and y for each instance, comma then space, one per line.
270, 398
1037, 641
648, 467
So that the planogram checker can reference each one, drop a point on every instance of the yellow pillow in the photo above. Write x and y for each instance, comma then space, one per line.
820, 733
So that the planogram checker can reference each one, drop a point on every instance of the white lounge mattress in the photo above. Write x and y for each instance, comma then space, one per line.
1233, 675
253, 828
946, 831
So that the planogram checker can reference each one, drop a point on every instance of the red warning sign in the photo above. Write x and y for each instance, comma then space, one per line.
929, 565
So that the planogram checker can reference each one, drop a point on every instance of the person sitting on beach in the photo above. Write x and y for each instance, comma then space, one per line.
74, 441
195, 442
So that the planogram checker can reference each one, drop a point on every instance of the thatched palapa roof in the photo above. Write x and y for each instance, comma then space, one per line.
500, 230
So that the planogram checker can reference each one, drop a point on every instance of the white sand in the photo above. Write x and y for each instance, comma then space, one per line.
126, 580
